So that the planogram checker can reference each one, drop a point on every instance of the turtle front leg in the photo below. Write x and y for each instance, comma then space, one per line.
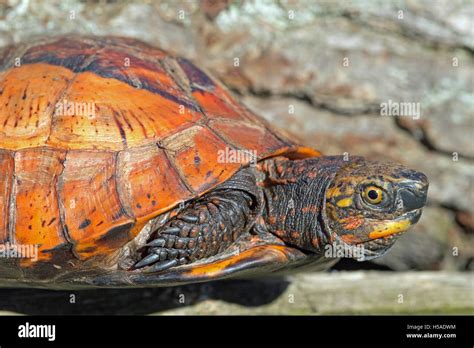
204, 229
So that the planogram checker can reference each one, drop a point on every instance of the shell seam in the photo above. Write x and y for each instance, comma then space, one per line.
175, 168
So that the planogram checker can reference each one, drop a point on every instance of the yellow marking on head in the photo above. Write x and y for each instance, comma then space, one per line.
333, 192
389, 228
348, 189
345, 202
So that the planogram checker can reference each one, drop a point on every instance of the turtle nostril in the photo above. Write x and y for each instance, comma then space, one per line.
421, 187
423, 182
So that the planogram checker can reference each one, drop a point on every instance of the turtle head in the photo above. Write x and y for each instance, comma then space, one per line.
370, 204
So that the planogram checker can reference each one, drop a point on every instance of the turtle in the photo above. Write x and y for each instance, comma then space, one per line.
123, 165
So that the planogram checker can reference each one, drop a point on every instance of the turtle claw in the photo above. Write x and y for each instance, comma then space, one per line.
147, 260
189, 218
172, 230
160, 242
161, 266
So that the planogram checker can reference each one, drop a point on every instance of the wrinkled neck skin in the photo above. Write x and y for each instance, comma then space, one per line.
294, 193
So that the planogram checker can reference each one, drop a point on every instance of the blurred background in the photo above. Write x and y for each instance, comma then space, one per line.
320, 70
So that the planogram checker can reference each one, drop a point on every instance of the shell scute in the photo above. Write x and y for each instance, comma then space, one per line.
148, 182
91, 204
37, 215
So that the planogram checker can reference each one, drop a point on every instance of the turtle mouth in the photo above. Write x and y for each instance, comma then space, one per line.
383, 236
396, 226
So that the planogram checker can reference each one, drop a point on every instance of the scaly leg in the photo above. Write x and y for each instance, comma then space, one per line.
205, 228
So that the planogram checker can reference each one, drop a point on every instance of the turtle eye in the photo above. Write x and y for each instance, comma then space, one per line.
373, 195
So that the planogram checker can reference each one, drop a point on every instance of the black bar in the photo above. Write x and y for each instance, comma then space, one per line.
244, 330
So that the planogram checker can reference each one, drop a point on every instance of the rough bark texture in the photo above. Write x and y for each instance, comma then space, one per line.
321, 70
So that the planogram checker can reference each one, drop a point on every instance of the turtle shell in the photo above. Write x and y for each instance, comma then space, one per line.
100, 135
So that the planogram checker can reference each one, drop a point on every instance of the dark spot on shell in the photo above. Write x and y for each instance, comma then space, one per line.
84, 224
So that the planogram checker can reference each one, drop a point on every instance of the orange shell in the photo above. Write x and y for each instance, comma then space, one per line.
100, 135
